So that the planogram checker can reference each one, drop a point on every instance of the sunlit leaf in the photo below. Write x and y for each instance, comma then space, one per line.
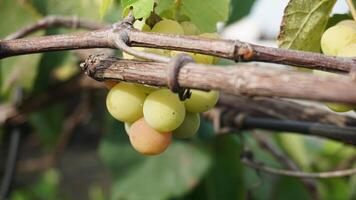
303, 24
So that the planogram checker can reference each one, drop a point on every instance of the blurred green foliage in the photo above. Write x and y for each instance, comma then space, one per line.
207, 167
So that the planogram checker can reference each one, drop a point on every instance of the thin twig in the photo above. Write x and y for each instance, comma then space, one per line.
283, 109
290, 164
331, 174
56, 21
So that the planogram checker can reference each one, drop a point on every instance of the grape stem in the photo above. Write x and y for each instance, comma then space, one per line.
108, 38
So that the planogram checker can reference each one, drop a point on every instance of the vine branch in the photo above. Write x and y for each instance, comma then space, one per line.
241, 80
230, 49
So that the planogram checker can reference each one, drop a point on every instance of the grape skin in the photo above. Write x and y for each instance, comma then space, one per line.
163, 110
201, 101
336, 38
125, 101
189, 28
348, 51
168, 26
349, 22
189, 127
147, 140
206, 59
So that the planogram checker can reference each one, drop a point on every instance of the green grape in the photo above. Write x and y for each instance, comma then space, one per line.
324, 73
336, 38
125, 101
147, 140
201, 101
348, 51
338, 107
146, 89
140, 25
349, 22
130, 57
169, 27
189, 28
163, 110
206, 59
189, 127
127, 127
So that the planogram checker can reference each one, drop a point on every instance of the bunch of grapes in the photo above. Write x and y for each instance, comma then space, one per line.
153, 115
339, 40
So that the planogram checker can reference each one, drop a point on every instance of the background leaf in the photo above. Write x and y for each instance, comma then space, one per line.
104, 7
19, 71
205, 13
141, 8
171, 174
239, 9
303, 24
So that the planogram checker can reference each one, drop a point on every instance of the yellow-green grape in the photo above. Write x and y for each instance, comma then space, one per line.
168, 26
130, 57
174, 53
127, 127
349, 22
146, 89
201, 101
163, 110
189, 127
206, 59
189, 28
140, 25
125, 102
324, 73
348, 51
338, 107
147, 140
336, 38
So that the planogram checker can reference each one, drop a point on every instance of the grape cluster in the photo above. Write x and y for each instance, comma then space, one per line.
153, 115
339, 40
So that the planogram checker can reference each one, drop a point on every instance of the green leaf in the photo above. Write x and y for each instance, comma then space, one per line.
303, 24
171, 174
294, 145
239, 9
336, 188
166, 9
141, 8
19, 71
205, 13
115, 148
336, 18
291, 189
225, 179
105, 5
84, 8
47, 124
